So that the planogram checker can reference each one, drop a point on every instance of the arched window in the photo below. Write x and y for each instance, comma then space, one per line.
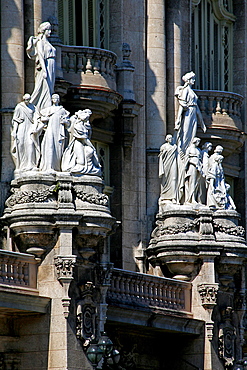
84, 22
212, 39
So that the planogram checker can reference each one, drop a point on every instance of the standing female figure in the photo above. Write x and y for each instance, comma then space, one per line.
168, 170
44, 54
25, 137
193, 171
189, 113
55, 121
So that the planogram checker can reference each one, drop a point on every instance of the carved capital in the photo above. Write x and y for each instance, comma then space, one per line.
208, 294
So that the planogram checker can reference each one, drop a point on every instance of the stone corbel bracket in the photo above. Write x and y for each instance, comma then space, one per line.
64, 266
208, 293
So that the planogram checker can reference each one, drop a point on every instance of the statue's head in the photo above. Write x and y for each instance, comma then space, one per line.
84, 114
26, 98
219, 149
44, 27
190, 76
169, 138
196, 141
55, 98
207, 146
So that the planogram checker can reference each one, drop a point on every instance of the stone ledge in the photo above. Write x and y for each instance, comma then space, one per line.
18, 303
167, 321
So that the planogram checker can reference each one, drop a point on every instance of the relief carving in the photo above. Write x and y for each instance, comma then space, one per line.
227, 337
208, 294
227, 229
95, 198
31, 196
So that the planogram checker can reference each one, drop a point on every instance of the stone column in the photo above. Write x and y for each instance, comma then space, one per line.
12, 53
177, 51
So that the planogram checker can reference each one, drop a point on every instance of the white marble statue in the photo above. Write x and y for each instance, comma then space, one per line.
206, 148
188, 117
168, 170
80, 156
229, 201
189, 114
25, 148
193, 172
55, 121
216, 195
44, 54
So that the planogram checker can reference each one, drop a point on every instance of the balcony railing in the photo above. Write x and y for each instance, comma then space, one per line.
136, 289
221, 108
83, 65
17, 270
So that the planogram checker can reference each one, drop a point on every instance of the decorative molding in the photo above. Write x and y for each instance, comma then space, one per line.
174, 229
65, 192
219, 10
95, 198
227, 229
30, 196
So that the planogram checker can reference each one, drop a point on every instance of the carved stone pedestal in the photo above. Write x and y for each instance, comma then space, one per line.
42, 206
183, 233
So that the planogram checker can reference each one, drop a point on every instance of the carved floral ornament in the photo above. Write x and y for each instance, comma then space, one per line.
208, 294
64, 267
219, 9
49, 195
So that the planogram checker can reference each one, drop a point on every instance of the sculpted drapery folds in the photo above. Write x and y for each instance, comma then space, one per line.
189, 114
55, 119
44, 54
188, 117
25, 136
168, 170
193, 172
80, 156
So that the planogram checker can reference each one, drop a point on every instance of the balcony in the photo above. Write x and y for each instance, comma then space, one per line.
18, 284
86, 75
151, 301
221, 112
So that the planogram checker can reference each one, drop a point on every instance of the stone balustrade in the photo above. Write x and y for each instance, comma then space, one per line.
221, 105
137, 289
17, 270
88, 65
